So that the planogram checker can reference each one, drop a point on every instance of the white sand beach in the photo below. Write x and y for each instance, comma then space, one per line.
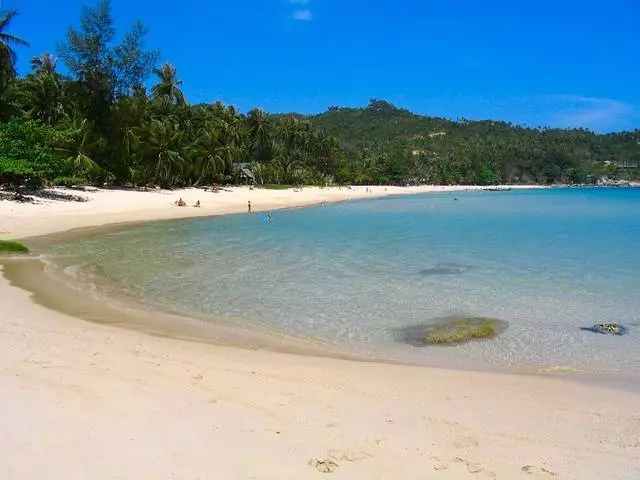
83, 400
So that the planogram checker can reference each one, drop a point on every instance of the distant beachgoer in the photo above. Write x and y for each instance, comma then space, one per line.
249, 206
181, 203
269, 216
197, 205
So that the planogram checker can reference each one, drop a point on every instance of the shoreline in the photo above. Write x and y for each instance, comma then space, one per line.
65, 295
20, 221
94, 391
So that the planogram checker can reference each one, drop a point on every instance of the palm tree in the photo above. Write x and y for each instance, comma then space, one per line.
169, 85
259, 132
44, 90
162, 148
207, 154
7, 42
45, 96
44, 64
231, 142
78, 149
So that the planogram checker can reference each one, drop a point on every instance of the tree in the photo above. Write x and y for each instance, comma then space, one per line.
259, 134
7, 53
208, 156
44, 64
78, 148
102, 69
44, 91
168, 85
161, 145
132, 63
28, 154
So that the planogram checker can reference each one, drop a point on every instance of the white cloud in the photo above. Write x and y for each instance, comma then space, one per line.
303, 15
589, 112
552, 110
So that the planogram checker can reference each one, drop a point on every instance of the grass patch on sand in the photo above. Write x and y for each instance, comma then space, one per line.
454, 331
9, 247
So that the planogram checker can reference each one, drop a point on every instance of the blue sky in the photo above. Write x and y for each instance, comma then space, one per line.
557, 63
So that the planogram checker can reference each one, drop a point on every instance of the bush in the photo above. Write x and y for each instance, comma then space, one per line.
27, 154
69, 181
276, 186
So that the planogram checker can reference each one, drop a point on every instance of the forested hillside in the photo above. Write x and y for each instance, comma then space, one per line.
436, 150
103, 110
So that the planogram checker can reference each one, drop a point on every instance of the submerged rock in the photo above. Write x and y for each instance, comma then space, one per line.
453, 331
607, 328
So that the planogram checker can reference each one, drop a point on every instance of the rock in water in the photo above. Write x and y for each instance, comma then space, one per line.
453, 331
607, 328
446, 269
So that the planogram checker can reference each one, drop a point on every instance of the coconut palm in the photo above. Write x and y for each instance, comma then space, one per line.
44, 64
231, 142
7, 42
169, 85
45, 90
45, 95
207, 156
259, 132
77, 151
161, 145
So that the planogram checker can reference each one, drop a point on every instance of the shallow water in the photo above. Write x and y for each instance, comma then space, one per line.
353, 274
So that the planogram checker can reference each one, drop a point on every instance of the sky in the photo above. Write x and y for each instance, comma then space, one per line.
559, 63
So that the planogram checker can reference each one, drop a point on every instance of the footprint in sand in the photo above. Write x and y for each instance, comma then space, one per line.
346, 456
323, 466
539, 471
473, 468
465, 442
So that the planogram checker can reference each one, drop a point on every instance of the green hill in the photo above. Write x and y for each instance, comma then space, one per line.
405, 146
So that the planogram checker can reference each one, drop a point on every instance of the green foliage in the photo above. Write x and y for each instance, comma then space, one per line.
421, 149
69, 181
275, 186
7, 43
27, 152
8, 247
100, 125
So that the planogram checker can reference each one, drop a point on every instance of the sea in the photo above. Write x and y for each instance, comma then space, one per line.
354, 275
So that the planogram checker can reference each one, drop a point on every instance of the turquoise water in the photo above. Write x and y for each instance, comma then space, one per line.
352, 274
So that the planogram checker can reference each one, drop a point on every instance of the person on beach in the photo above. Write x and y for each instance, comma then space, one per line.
197, 205
249, 206
181, 203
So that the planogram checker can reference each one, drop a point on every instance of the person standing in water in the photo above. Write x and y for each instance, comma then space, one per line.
249, 206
